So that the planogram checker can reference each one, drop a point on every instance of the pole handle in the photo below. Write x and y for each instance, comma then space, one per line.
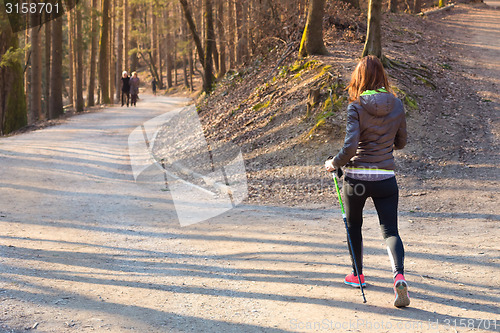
338, 172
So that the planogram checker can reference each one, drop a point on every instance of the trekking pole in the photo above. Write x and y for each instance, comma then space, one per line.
337, 175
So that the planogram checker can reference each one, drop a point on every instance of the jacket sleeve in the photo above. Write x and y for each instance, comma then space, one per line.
351, 141
401, 135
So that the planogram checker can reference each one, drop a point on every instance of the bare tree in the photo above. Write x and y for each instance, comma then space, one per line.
210, 45
46, 78
222, 38
103, 54
312, 38
94, 45
373, 44
169, 60
126, 28
78, 55
36, 72
56, 70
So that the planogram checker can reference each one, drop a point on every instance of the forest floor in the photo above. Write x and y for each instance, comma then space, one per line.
83, 248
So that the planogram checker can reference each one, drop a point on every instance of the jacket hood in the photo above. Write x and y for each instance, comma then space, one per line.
378, 104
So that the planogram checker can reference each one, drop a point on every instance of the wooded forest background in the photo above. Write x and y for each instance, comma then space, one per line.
76, 60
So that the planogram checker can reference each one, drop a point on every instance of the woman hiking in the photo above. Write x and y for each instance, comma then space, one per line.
125, 88
376, 126
134, 88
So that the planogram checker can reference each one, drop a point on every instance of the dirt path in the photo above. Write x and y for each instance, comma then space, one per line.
83, 248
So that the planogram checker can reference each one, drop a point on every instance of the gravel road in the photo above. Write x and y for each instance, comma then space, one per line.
84, 248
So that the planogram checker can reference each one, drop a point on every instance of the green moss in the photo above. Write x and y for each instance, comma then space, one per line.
304, 65
427, 82
260, 106
271, 118
408, 99
411, 102
324, 70
283, 71
298, 75
331, 106
445, 66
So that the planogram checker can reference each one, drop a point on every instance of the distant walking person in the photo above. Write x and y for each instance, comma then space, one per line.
153, 85
376, 126
125, 88
134, 88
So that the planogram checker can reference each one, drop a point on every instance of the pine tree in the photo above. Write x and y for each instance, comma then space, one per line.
103, 54
56, 70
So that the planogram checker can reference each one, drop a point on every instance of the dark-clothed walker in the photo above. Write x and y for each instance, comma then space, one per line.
134, 88
125, 95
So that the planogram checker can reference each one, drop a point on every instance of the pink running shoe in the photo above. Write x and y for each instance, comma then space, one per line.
353, 281
401, 292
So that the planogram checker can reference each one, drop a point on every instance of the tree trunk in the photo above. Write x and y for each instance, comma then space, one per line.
238, 9
191, 69
393, 6
154, 34
417, 6
250, 24
103, 54
185, 40
70, 57
46, 92
56, 77
94, 44
194, 33
312, 38
222, 39
27, 69
373, 44
210, 41
133, 58
13, 113
231, 34
79, 57
215, 55
242, 31
159, 59
126, 27
174, 58
36, 72
74, 52
111, 51
169, 49
119, 61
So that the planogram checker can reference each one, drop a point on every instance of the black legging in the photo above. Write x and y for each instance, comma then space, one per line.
125, 97
385, 197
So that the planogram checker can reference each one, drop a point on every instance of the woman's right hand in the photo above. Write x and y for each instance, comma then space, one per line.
329, 165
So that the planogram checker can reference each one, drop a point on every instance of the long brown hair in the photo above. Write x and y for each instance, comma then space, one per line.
369, 74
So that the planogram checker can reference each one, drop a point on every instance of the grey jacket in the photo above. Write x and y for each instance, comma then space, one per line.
375, 126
